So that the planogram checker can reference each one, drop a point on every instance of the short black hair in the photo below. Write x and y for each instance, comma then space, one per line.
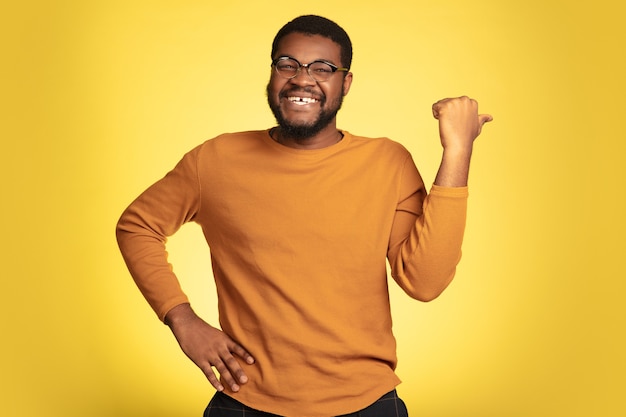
317, 25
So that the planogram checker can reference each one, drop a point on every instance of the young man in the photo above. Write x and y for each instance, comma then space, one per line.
301, 220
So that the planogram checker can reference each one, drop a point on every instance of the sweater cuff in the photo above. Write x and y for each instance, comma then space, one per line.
460, 192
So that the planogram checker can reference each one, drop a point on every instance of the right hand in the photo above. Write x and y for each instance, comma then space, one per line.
208, 347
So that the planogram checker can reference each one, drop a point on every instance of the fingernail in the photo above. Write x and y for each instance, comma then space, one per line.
243, 379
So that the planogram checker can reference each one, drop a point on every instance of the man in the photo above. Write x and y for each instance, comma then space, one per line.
301, 220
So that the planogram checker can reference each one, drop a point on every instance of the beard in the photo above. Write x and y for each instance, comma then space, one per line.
304, 130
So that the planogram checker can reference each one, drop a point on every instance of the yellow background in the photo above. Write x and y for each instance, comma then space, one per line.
101, 98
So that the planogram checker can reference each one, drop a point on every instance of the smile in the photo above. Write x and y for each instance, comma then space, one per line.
302, 100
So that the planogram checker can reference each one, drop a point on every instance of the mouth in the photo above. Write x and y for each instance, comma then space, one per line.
301, 101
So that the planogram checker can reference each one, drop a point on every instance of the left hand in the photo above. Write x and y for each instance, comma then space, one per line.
459, 122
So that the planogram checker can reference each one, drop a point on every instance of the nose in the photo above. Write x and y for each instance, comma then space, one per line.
303, 78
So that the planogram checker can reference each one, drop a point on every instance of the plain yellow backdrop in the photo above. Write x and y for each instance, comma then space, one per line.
101, 98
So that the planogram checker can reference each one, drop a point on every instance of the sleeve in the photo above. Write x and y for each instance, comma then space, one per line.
427, 234
144, 226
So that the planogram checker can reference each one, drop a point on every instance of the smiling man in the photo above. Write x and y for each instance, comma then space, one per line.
301, 220
305, 98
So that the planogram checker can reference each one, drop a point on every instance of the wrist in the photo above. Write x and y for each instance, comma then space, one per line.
454, 168
182, 313
459, 152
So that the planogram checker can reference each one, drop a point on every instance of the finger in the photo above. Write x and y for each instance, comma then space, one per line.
227, 377
439, 106
235, 370
210, 375
484, 118
436, 108
242, 353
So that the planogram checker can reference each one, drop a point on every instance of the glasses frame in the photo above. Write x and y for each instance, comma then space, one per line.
334, 68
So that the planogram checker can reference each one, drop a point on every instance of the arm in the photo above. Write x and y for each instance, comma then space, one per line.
144, 227
142, 232
425, 245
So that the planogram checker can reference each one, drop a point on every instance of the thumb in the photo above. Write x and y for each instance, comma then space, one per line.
484, 118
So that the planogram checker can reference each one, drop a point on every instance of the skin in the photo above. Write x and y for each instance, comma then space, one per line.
209, 347
459, 125
306, 49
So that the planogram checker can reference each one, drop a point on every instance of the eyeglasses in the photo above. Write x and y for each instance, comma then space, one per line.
320, 70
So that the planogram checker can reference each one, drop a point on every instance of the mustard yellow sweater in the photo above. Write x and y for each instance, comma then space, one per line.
299, 241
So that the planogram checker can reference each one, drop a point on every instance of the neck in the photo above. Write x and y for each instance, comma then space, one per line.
327, 137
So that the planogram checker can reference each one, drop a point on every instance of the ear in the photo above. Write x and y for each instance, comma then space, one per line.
347, 82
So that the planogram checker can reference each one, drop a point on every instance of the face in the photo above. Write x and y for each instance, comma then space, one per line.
302, 106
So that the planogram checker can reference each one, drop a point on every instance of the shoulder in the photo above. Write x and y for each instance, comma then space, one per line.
381, 146
229, 143
235, 139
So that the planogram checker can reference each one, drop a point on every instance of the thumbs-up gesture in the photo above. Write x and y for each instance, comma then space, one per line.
459, 121
459, 125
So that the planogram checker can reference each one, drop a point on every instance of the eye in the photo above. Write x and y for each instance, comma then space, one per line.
287, 65
321, 68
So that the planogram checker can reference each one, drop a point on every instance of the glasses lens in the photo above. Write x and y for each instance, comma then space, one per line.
287, 67
320, 71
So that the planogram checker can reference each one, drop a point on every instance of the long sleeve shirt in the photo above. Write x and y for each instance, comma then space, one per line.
299, 243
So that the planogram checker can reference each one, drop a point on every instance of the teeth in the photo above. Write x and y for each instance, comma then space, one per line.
302, 100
